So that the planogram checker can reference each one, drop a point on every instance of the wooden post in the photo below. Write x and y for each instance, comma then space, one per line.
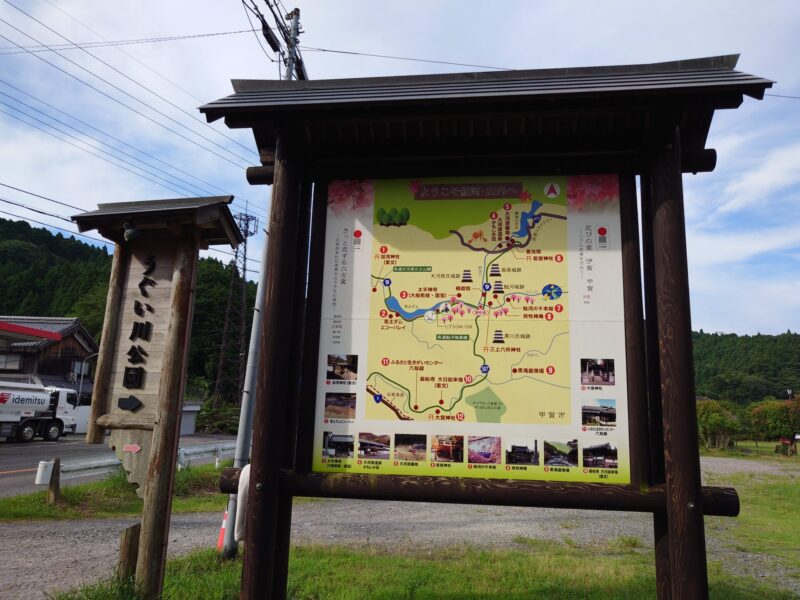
687, 552
161, 468
266, 521
54, 489
128, 551
101, 396
634, 331
660, 529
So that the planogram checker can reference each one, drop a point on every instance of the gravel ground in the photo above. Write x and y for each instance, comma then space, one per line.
42, 556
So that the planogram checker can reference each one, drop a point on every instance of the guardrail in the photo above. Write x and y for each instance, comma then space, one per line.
101, 466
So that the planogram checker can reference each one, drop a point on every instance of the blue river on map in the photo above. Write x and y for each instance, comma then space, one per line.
526, 217
393, 304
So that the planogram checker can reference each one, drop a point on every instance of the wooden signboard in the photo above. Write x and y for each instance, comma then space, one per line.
141, 371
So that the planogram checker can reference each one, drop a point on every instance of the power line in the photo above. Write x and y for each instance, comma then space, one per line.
55, 227
36, 210
115, 43
783, 96
117, 100
175, 187
144, 87
13, 116
105, 144
11, 187
407, 58
136, 149
261, 17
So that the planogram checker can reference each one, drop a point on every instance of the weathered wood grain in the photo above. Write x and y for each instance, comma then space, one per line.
687, 554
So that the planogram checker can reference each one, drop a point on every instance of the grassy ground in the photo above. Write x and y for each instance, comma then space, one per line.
196, 490
534, 569
749, 449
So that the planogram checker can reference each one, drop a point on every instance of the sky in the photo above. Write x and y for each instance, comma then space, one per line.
61, 110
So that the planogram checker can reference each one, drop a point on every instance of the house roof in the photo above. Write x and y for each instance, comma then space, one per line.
430, 124
29, 332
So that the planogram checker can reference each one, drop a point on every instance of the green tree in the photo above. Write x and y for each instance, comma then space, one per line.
716, 425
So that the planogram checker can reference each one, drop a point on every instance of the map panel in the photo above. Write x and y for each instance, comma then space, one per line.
478, 312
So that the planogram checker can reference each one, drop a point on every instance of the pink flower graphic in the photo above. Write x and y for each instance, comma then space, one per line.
350, 195
584, 191
524, 195
414, 186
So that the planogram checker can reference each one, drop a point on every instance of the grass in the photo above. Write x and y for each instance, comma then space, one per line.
196, 490
770, 517
552, 571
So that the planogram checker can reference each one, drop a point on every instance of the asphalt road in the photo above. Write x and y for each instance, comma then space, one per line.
18, 461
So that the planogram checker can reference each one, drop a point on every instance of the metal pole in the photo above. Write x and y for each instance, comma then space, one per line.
80, 387
294, 16
245, 433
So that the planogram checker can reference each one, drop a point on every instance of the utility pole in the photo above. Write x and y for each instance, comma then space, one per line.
235, 312
295, 69
294, 33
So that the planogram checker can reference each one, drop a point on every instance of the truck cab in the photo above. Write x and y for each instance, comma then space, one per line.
28, 411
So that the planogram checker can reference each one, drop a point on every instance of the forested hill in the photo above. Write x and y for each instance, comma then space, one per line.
42, 274
50, 275
746, 368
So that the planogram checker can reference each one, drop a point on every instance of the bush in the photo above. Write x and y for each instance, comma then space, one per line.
216, 416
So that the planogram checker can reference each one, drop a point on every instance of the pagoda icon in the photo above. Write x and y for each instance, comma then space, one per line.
494, 271
467, 277
498, 337
498, 287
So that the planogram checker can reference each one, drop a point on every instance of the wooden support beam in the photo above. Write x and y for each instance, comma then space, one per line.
123, 422
264, 528
54, 487
656, 428
718, 501
164, 447
101, 397
687, 551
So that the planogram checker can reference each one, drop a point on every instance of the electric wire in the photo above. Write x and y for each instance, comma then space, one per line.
105, 133
13, 116
110, 97
258, 39
162, 77
177, 187
102, 241
190, 191
144, 87
24, 191
106, 43
36, 210
406, 58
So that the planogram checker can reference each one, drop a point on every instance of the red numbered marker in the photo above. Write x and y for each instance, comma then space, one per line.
384, 313
548, 316
559, 308
404, 294
550, 370
507, 206
467, 378
385, 361
384, 249
493, 215
559, 258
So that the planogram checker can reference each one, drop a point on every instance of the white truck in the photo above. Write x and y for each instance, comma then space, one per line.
28, 410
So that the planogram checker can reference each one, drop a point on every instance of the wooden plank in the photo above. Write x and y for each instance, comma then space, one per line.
101, 397
717, 501
634, 332
163, 452
128, 551
262, 526
682, 462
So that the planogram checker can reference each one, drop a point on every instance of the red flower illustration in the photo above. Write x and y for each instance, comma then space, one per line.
583, 191
350, 195
524, 195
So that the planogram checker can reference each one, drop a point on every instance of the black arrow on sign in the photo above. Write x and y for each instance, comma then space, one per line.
131, 403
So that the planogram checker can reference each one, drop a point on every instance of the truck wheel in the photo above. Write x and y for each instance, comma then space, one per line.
52, 432
26, 432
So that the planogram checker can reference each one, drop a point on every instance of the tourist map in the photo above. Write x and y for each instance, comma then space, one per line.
473, 327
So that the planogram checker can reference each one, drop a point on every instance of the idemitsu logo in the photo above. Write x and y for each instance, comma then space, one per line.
4, 397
